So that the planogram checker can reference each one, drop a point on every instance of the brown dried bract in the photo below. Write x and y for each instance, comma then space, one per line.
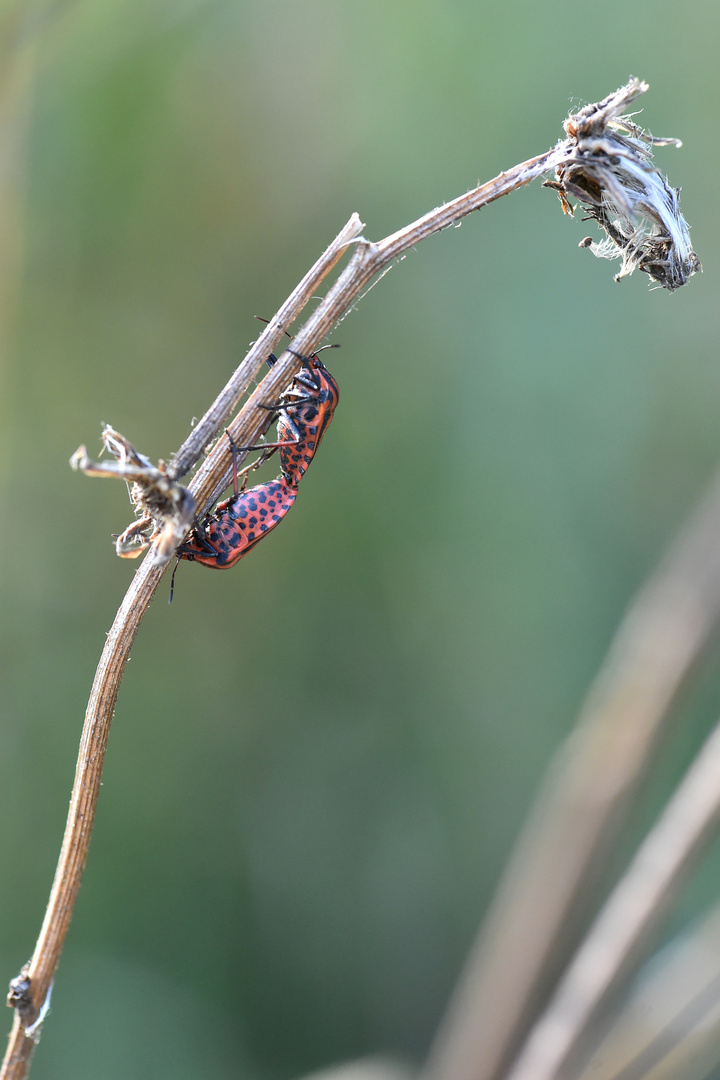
165, 509
609, 169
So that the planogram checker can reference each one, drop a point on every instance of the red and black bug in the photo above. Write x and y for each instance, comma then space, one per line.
304, 412
238, 523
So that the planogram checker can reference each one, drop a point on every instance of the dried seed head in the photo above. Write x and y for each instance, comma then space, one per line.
165, 509
609, 170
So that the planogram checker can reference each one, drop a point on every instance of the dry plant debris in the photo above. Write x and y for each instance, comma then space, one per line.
165, 509
609, 169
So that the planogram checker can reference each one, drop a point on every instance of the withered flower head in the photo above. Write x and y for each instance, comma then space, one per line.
609, 170
165, 509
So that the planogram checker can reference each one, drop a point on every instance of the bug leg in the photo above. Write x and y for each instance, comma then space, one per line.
267, 445
273, 446
200, 538
233, 447
302, 399
309, 384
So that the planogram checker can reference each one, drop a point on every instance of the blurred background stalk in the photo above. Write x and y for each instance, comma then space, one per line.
18, 45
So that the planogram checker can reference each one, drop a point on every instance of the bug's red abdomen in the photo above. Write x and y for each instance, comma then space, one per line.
238, 524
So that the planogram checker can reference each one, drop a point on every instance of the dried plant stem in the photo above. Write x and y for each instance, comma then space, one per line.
544, 901
368, 260
232, 393
73, 855
669, 1026
86, 788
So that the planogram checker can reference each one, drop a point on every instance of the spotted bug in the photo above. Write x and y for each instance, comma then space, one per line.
304, 412
238, 523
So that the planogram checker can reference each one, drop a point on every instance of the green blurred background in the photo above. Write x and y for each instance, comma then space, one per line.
319, 760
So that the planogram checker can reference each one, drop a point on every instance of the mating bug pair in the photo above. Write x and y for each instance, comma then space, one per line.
240, 522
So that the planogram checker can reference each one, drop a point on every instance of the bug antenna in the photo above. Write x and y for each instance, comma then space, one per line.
315, 353
172, 581
266, 321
